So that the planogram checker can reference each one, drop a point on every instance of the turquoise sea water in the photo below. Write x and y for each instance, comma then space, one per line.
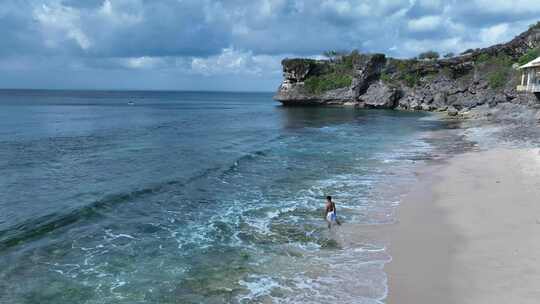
190, 197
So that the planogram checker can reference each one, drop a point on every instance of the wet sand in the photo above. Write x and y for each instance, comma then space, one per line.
469, 232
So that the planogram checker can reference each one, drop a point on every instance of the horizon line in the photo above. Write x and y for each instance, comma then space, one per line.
133, 90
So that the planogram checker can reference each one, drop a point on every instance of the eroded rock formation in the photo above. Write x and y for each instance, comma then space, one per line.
454, 85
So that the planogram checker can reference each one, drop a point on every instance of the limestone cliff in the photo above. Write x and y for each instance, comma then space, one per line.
476, 77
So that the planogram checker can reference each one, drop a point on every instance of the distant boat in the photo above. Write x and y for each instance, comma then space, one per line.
131, 103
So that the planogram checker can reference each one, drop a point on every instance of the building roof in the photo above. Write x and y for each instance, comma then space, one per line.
532, 64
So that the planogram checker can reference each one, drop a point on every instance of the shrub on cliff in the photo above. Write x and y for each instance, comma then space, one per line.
348, 61
327, 82
405, 65
449, 55
531, 55
337, 72
534, 25
483, 58
298, 64
429, 55
335, 55
386, 78
498, 78
407, 71
496, 68
411, 79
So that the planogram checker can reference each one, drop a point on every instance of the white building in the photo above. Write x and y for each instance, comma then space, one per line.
530, 77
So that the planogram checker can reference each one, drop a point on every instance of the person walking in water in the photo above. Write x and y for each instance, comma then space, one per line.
330, 213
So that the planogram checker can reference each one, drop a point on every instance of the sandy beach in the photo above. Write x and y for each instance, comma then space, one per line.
469, 232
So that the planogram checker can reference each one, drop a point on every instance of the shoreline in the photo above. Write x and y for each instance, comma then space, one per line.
467, 231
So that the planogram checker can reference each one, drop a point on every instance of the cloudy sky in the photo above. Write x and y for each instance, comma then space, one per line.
228, 44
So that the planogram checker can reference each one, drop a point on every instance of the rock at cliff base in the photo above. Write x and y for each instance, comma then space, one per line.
439, 100
451, 111
537, 117
380, 96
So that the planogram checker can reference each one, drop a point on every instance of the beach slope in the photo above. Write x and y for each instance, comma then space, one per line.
469, 232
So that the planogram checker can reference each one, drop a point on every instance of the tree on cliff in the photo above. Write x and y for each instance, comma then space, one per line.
449, 55
429, 55
334, 55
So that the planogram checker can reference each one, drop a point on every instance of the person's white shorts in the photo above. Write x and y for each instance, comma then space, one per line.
331, 217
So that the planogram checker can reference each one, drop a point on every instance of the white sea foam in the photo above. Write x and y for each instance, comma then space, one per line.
350, 275
111, 236
259, 286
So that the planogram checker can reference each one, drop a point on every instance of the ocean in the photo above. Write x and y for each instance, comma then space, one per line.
196, 197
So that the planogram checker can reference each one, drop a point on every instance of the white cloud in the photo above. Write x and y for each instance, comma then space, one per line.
415, 47
342, 8
60, 23
495, 34
144, 62
430, 5
119, 15
232, 61
242, 38
350, 10
507, 6
267, 8
200, 28
425, 23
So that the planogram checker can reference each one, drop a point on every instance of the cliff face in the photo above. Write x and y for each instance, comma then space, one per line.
482, 76
293, 90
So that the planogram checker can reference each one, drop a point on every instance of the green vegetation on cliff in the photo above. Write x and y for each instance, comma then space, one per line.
327, 82
298, 63
402, 70
336, 74
498, 69
408, 72
531, 55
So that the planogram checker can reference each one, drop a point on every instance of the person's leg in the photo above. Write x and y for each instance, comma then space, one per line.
334, 219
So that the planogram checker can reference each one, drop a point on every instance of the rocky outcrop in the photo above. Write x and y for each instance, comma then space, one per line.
367, 72
380, 96
293, 91
516, 47
297, 95
454, 85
